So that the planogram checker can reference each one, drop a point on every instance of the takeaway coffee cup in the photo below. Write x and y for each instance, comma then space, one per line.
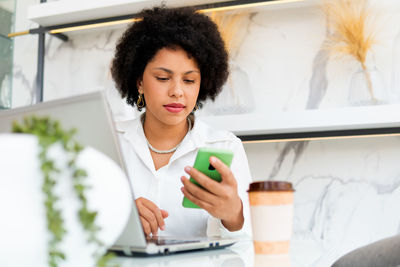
271, 207
269, 260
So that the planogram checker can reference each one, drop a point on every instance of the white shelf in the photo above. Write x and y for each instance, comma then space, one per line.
352, 118
70, 11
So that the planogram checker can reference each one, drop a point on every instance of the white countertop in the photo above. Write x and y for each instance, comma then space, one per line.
239, 255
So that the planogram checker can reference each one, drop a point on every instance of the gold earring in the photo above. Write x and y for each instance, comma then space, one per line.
140, 101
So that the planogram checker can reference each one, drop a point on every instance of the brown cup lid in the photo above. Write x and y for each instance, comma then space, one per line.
270, 186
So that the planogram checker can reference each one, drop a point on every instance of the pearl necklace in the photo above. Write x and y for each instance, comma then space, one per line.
169, 150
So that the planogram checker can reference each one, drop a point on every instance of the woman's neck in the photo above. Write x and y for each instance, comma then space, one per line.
163, 136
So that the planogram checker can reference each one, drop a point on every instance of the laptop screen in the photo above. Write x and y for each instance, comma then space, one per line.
88, 113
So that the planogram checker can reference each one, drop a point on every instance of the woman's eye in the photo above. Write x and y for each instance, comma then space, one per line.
162, 78
189, 81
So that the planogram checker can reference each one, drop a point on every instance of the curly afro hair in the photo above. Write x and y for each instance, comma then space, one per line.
161, 28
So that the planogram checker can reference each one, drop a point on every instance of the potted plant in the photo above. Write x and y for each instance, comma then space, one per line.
76, 187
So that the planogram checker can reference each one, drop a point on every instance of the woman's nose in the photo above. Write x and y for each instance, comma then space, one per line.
176, 89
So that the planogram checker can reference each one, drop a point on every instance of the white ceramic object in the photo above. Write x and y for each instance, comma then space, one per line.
23, 230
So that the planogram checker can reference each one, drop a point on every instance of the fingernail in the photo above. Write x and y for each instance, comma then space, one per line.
187, 169
182, 189
213, 159
162, 227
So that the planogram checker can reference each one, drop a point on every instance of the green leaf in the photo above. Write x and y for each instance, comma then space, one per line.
104, 260
79, 173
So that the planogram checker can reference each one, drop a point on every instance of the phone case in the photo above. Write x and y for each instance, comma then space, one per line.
202, 163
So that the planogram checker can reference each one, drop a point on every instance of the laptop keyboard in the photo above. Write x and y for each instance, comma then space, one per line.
161, 241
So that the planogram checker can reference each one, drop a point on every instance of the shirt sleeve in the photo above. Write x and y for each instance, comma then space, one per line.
241, 171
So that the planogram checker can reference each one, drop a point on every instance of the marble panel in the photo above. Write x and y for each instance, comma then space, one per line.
25, 58
5, 71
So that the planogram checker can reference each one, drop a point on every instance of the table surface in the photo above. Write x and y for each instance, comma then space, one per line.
240, 254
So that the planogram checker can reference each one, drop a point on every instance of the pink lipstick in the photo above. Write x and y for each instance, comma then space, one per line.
174, 107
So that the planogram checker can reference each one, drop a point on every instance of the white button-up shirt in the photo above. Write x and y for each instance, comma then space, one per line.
162, 186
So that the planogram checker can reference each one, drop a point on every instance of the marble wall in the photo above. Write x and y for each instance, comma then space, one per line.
347, 191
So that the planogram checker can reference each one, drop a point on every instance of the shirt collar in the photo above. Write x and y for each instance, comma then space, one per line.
201, 135
132, 132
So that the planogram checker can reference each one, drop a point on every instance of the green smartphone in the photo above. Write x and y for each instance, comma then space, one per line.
202, 163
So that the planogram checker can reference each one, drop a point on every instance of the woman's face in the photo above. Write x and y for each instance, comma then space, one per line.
170, 85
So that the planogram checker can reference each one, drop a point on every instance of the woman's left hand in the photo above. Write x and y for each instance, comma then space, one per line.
220, 199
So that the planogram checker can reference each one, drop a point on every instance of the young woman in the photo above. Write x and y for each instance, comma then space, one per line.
169, 63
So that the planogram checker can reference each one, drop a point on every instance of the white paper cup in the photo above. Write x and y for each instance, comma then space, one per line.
271, 207
264, 260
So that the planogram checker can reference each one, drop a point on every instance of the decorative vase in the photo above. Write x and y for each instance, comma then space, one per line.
23, 227
367, 88
236, 96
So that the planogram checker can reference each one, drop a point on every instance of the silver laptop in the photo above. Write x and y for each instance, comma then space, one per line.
91, 116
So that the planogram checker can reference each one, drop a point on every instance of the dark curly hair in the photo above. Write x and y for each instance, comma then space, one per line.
161, 27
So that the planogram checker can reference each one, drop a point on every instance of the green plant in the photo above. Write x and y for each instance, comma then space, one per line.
49, 132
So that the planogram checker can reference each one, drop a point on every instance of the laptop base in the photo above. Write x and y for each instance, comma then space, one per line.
165, 252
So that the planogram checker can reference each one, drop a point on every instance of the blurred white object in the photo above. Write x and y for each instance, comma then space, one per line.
23, 228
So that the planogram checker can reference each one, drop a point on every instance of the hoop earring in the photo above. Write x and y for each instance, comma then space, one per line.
140, 101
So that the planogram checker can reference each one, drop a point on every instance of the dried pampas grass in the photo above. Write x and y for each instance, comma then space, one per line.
354, 34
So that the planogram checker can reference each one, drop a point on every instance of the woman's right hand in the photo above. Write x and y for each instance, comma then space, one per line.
151, 216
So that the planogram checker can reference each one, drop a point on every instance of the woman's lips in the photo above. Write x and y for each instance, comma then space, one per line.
174, 107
